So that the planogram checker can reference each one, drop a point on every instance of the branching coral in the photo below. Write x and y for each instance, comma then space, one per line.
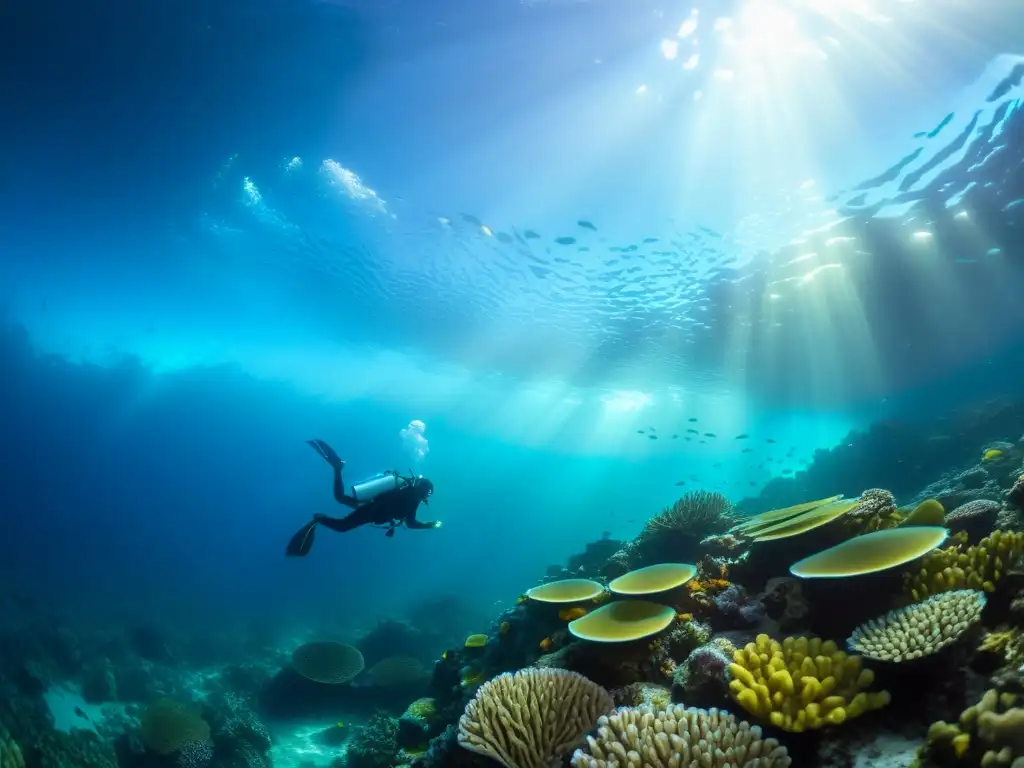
675, 532
801, 684
990, 733
959, 566
531, 717
920, 629
642, 738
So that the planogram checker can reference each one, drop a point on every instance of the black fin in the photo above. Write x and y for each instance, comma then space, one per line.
390, 533
302, 541
326, 451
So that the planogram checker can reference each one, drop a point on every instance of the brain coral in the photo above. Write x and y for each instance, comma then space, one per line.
920, 629
678, 737
530, 718
169, 725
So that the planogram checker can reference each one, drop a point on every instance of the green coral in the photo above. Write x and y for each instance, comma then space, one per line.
959, 566
169, 725
989, 733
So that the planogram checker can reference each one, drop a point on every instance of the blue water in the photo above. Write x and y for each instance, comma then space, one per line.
231, 227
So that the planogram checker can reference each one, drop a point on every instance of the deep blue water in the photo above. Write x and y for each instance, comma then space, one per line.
230, 227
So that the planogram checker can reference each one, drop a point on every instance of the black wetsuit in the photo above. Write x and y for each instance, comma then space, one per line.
391, 508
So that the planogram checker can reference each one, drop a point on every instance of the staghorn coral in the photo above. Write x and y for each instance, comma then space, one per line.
169, 725
641, 737
801, 684
958, 566
920, 629
530, 718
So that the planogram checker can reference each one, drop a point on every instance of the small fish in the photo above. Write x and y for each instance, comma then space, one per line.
640, 432
652, 429
769, 440
80, 713
693, 431
680, 483
653, 437
571, 614
710, 434
565, 240
675, 436
687, 439
692, 420
747, 450
744, 436
586, 225
991, 454
787, 471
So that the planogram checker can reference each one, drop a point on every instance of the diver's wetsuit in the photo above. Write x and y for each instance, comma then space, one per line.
391, 508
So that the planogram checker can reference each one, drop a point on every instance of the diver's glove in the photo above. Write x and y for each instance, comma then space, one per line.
437, 524
319, 517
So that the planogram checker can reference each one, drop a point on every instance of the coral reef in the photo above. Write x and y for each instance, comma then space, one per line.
959, 566
527, 719
801, 683
920, 629
640, 736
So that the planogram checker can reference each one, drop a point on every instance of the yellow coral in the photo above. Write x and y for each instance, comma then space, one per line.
995, 724
801, 683
959, 566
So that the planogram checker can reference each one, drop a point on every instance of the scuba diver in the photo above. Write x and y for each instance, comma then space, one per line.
386, 500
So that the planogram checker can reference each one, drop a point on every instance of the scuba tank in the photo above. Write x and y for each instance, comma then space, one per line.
372, 487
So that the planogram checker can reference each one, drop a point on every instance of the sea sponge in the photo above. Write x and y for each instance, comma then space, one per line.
566, 591
870, 553
653, 579
920, 629
169, 725
623, 621
640, 737
959, 566
530, 718
801, 683
328, 662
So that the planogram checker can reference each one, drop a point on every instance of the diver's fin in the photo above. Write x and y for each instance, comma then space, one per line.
391, 532
302, 541
327, 452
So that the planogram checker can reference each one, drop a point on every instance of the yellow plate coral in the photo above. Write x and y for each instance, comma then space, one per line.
806, 521
870, 553
623, 621
801, 684
653, 579
776, 515
566, 591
